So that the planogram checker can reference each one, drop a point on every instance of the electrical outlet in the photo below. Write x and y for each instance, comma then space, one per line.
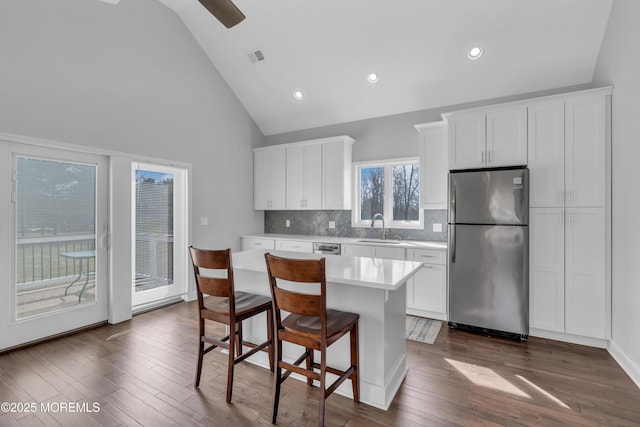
287, 223
437, 228
204, 220
332, 224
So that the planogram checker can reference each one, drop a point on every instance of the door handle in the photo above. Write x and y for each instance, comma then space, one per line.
104, 241
483, 154
452, 201
453, 244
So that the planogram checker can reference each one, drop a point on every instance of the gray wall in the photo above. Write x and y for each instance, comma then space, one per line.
131, 78
619, 66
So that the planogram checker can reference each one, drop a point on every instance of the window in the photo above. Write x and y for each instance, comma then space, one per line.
391, 188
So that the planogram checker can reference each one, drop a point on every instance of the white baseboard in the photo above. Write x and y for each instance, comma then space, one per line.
428, 314
574, 339
625, 363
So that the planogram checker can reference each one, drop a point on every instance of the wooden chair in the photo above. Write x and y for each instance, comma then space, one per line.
229, 308
310, 325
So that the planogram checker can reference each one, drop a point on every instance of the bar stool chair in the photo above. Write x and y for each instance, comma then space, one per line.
309, 324
227, 307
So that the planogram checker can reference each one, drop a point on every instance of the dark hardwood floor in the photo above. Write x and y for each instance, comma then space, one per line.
141, 373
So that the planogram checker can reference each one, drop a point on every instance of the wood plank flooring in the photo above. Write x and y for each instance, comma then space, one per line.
141, 373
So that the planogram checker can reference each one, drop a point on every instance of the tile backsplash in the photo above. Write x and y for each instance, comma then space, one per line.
316, 223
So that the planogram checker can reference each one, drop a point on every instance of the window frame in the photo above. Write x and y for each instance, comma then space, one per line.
388, 194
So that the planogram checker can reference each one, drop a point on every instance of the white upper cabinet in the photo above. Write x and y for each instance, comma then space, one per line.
506, 137
546, 154
585, 156
313, 174
269, 174
567, 157
433, 165
336, 174
488, 138
304, 177
467, 140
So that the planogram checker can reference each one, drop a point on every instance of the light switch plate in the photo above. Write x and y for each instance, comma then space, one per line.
287, 223
332, 224
204, 220
437, 228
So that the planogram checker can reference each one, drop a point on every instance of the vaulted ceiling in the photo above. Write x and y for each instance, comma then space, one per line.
418, 48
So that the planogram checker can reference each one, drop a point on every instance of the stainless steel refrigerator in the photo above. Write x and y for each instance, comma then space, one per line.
489, 251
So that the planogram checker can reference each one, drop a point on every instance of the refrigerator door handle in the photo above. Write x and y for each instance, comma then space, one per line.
453, 244
452, 202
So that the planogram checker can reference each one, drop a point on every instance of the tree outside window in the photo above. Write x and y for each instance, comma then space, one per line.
406, 192
391, 188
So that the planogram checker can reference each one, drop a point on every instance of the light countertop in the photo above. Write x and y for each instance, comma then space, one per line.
386, 274
411, 244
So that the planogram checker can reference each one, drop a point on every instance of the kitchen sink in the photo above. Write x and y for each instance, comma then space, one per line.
390, 242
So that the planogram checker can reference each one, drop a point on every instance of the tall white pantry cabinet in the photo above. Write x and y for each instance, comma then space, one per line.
569, 157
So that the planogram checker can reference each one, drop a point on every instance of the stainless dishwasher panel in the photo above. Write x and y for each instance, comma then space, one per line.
326, 248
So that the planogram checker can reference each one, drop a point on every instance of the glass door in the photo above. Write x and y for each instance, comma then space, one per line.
58, 254
159, 235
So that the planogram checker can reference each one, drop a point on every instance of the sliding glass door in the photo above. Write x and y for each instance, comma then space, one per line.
159, 235
59, 245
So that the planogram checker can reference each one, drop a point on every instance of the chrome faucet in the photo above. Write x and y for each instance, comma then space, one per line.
373, 221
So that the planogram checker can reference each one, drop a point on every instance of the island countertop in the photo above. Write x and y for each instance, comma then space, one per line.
386, 274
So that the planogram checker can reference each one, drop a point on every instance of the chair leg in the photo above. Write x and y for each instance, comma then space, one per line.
353, 335
270, 337
277, 379
309, 364
323, 392
239, 339
230, 366
200, 355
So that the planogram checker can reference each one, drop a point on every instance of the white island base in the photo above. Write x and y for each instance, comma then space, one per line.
380, 302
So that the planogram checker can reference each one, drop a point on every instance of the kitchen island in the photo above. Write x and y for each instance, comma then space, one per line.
372, 287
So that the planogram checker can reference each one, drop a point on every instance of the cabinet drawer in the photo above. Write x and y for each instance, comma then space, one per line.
249, 243
294, 246
428, 256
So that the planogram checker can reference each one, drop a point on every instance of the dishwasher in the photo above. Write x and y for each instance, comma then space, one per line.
326, 248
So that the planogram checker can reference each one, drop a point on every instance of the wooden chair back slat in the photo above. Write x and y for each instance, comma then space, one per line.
297, 303
297, 270
214, 286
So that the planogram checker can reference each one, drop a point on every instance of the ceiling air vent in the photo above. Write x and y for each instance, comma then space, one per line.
256, 56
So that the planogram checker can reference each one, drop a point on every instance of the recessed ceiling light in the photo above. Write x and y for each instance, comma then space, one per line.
474, 53
372, 77
298, 95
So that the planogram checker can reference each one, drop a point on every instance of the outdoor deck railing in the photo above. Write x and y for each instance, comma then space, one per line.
38, 259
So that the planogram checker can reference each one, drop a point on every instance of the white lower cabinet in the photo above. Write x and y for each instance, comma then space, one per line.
294, 246
568, 290
250, 243
385, 252
427, 289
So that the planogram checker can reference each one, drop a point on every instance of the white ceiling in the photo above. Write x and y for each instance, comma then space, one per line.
417, 47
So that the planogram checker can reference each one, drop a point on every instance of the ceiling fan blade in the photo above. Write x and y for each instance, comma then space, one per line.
226, 12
